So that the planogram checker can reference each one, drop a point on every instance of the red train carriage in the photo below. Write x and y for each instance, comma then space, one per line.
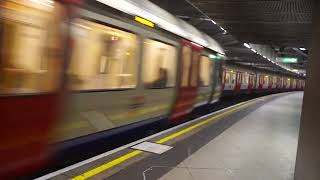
33, 52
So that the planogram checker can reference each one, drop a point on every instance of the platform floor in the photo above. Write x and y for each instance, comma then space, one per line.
262, 146
255, 140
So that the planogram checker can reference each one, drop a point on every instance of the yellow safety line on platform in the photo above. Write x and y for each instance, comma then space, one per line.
179, 133
132, 154
106, 166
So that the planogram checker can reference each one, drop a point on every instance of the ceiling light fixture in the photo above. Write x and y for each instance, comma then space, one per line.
247, 45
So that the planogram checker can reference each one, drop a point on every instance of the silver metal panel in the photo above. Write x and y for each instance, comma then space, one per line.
152, 147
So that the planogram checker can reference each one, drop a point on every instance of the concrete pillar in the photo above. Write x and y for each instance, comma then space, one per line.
308, 155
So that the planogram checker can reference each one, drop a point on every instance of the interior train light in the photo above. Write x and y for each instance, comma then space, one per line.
213, 22
144, 21
303, 49
48, 3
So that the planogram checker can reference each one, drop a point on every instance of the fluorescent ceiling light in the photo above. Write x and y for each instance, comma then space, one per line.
303, 49
213, 22
247, 45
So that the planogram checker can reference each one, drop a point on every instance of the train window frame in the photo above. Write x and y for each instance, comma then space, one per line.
239, 76
227, 77
232, 77
194, 73
185, 75
176, 59
210, 80
48, 67
251, 79
138, 39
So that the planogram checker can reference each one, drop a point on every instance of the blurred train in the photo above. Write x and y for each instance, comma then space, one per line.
80, 77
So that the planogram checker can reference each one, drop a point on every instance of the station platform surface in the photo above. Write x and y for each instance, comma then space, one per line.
254, 140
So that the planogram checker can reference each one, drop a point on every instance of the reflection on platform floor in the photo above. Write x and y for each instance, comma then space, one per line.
261, 146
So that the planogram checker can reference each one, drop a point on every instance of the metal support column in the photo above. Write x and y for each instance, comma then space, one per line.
308, 155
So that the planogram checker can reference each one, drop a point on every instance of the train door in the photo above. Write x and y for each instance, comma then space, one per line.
188, 87
229, 82
270, 80
206, 80
261, 82
278, 83
289, 83
217, 81
31, 69
237, 87
223, 78
250, 83
266, 82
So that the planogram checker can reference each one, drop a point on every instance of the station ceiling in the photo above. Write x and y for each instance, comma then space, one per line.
284, 25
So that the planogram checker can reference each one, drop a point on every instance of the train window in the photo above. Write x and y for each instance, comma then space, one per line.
195, 68
233, 78
227, 78
246, 78
224, 77
205, 71
103, 57
159, 64
251, 79
239, 78
261, 80
186, 57
266, 80
29, 35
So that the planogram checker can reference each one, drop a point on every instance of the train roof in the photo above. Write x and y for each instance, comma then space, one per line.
165, 20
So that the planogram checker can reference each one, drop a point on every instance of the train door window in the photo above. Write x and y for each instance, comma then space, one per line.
246, 78
28, 33
266, 80
233, 78
159, 64
227, 77
194, 69
261, 79
270, 80
205, 71
239, 80
224, 77
250, 79
186, 58
103, 57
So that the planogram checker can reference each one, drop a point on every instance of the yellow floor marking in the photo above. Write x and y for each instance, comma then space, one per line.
106, 166
132, 154
179, 133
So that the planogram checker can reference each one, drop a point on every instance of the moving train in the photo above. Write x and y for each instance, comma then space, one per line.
80, 77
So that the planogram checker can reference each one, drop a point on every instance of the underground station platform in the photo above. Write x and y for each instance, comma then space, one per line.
256, 139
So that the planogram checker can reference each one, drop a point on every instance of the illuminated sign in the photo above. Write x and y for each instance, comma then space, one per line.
216, 56
287, 59
144, 21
